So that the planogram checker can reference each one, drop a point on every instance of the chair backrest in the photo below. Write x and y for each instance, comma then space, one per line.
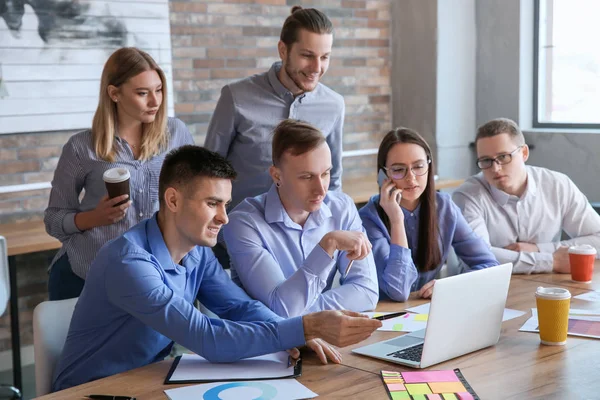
51, 320
4, 279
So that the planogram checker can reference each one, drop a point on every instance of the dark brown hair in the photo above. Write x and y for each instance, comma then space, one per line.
295, 136
429, 255
499, 126
310, 19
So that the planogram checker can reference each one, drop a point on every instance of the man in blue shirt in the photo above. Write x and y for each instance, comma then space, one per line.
139, 293
287, 244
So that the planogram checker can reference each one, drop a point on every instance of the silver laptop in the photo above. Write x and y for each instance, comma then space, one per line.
465, 315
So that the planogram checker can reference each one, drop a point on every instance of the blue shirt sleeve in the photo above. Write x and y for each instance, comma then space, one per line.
335, 140
136, 284
469, 247
396, 270
222, 296
221, 129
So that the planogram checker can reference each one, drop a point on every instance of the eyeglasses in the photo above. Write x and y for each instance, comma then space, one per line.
502, 159
398, 172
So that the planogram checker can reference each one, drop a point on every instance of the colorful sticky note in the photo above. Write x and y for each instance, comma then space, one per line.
390, 373
393, 380
447, 387
396, 387
464, 396
421, 317
433, 397
377, 315
449, 396
418, 388
419, 397
397, 327
429, 376
400, 395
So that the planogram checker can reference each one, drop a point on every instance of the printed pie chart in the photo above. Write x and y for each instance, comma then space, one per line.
268, 391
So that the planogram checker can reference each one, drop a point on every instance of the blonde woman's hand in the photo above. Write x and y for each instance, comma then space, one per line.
107, 214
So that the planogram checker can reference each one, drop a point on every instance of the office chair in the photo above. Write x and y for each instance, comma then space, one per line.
51, 320
6, 391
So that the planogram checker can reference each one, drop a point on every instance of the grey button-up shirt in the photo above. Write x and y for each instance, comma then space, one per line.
247, 113
79, 168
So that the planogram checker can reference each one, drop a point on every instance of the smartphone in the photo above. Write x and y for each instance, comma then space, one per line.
381, 176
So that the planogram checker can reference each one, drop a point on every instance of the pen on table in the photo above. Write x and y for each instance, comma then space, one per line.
348, 267
108, 397
389, 316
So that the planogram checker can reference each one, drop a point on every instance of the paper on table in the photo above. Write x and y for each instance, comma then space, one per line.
508, 313
192, 367
408, 322
589, 296
280, 389
586, 326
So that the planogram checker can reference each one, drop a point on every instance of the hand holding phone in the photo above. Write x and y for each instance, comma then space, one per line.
381, 177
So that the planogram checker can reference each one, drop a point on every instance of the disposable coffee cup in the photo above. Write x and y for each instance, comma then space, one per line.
553, 314
581, 259
117, 183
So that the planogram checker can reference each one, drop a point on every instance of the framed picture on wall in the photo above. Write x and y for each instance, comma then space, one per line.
52, 53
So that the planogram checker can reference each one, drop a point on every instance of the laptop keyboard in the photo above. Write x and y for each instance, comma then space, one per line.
411, 353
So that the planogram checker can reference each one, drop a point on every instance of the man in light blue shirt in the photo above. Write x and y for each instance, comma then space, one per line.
287, 244
139, 293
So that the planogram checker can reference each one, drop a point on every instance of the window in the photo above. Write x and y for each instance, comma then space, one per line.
567, 64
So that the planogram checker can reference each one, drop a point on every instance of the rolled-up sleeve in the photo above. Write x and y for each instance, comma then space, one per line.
335, 142
221, 129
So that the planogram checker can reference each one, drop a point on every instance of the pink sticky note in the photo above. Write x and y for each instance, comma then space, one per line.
464, 396
429, 376
396, 387
433, 397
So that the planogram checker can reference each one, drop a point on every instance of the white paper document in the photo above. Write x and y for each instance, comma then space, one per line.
408, 322
192, 367
589, 296
280, 389
584, 323
508, 313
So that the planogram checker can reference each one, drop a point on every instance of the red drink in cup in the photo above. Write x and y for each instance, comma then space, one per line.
582, 259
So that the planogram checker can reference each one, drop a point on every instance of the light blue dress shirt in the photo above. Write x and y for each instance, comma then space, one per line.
241, 127
136, 302
398, 276
282, 264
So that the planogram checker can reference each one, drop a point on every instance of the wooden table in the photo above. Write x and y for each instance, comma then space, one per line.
363, 188
22, 238
518, 367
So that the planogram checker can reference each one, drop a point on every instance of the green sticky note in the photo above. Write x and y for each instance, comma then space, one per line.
417, 388
421, 317
397, 327
400, 395
419, 397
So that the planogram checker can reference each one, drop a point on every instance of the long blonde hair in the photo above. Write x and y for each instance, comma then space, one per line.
122, 65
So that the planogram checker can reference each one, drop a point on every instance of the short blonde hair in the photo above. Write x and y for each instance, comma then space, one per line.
121, 66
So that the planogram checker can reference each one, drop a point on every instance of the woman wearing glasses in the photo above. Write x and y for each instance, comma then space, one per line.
410, 225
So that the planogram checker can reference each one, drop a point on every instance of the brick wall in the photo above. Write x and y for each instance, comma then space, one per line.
213, 43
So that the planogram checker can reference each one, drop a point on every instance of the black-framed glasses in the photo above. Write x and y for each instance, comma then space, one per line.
400, 171
502, 159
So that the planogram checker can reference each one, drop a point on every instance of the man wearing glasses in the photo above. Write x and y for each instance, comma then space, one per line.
287, 244
522, 210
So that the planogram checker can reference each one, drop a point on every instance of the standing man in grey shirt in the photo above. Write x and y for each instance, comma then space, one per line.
249, 110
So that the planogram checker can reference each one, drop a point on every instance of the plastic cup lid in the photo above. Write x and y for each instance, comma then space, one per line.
582, 249
552, 293
116, 175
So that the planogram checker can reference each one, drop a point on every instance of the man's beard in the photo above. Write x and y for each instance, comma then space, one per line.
294, 77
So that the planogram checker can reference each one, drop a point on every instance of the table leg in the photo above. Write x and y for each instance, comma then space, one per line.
14, 323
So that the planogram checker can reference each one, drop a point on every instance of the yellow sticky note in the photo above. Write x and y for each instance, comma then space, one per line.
377, 315
421, 317
417, 388
447, 387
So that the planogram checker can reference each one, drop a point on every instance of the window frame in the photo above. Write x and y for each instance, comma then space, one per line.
536, 123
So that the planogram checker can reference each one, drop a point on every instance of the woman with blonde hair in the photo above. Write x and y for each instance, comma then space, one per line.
130, 130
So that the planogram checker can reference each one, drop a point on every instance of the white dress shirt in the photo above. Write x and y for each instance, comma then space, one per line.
550, 204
